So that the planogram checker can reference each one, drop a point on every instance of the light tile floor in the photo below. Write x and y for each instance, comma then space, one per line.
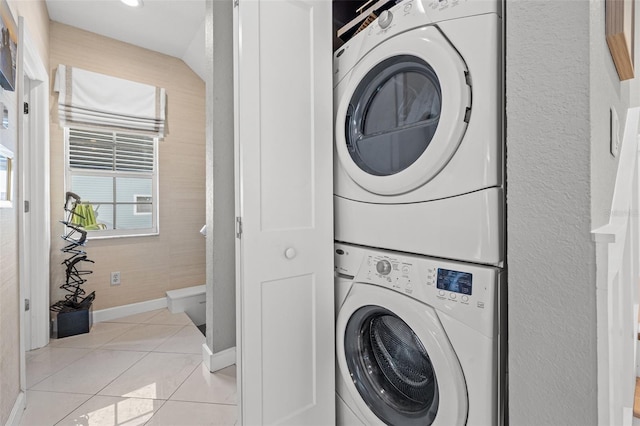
142, 369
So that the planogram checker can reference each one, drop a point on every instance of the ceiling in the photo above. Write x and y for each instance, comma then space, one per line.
172, 27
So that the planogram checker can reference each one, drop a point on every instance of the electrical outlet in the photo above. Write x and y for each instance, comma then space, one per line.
115, 278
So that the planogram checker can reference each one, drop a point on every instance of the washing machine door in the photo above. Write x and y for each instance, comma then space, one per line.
397, 362
402, 112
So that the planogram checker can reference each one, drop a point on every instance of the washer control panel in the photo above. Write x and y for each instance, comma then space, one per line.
454, 282
390, 272
464, 291
412, 278
438, 282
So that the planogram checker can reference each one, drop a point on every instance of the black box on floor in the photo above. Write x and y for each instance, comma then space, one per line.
65, 324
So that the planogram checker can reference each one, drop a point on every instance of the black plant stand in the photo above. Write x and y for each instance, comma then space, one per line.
73, 315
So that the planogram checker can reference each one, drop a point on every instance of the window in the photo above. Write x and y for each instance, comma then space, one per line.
115, 173
142, 204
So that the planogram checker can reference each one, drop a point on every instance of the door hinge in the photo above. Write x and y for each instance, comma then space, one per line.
26, 108
27, 206
236, 3
27, 304
238, 227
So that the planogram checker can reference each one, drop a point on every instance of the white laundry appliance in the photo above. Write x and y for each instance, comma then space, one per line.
418, 340
418, 140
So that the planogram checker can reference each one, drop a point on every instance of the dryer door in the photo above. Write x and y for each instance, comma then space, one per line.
397, 361
402, 112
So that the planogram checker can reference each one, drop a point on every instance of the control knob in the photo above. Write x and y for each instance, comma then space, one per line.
385, 18
383, 267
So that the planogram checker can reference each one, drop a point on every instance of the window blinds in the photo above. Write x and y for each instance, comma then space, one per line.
87, 98
107, 151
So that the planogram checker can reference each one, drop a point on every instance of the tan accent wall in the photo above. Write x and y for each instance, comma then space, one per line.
37, 21
149, 266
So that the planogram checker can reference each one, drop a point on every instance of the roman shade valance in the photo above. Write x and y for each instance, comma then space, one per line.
89, 99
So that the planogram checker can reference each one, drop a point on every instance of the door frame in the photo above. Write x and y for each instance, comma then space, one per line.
237, 163
36, 250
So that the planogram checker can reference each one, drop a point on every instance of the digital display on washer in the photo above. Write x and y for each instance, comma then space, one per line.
458, 282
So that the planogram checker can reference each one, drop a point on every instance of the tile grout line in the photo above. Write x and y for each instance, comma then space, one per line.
101, 389
164, 401
132, 365
185, 379
177, 387
73, 409
53, 391
124, 371
59, 370
103, 343
143, 350
197, 352
115, 337
90, 350
167, 338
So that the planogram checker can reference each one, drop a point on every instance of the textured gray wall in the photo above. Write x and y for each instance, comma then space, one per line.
221, 314
552, 322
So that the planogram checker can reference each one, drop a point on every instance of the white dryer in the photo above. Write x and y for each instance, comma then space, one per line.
418, 340
418, 141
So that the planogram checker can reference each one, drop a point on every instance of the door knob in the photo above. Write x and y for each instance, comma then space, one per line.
290, 253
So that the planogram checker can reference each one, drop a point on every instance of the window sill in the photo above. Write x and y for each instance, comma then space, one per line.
95, 235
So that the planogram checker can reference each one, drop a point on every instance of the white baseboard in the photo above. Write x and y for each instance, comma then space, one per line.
126, 310
17, 410
627, 416
219, 360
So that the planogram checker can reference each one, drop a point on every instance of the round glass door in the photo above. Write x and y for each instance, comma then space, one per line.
393, 115
402, 111
390, 367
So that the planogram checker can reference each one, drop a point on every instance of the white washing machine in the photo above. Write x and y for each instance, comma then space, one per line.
418, 140
418, 340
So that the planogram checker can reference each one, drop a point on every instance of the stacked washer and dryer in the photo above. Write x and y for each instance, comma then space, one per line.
419, 217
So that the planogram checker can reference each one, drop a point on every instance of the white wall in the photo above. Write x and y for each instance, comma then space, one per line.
221, 312
552, 329
195, 53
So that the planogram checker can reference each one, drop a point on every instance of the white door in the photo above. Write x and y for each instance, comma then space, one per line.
284, 199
